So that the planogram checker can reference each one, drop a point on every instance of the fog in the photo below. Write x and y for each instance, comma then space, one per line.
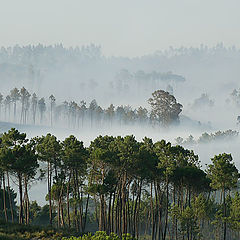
84, 73
122, 28
202, 79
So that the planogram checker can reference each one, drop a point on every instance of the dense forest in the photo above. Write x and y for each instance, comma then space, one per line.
119, 185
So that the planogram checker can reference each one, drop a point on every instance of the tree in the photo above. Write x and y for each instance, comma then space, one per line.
42, 108
15, 96
110, 113
203, 101
92, 109
7, 103
127, 150
22, 162
49, 151
101, 156
52, 105
165, 107
34, 102
142, 114
234, 217
83, 109
75, 165
73, 113
9, 196
224, 176
24, 97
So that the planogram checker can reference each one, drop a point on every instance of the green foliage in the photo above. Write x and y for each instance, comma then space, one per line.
222, 172
15, 231
101, 235
13, 196
227, 135
117, 184
234, 218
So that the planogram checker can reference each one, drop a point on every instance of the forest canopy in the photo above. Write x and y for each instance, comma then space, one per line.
119, 185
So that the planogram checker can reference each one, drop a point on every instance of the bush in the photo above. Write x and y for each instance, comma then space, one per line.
101, 235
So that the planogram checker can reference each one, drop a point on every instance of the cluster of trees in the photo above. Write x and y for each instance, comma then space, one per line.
121, 185
148, 81
235, 96
23, 107
203, 101
44, 56
209, 137
35, 65
40, 68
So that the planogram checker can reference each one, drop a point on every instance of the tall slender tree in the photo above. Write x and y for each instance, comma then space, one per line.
49, 151
15, 96
224, 176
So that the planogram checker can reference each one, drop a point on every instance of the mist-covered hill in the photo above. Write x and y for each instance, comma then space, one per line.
84, 73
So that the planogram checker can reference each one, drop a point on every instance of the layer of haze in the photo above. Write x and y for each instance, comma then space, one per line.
123, 27
126, 28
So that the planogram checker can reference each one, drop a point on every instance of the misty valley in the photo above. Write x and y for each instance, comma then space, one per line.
97, 147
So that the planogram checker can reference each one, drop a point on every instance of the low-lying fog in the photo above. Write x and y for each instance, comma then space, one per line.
204, 80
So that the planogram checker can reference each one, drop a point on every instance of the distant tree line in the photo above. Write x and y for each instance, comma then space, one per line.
227, 135
89, 71
147, 81
22, 107
203, 101
121, 185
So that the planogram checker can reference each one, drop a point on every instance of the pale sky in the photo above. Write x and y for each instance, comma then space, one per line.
121, 27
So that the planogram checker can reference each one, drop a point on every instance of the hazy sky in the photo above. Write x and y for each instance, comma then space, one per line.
121, 27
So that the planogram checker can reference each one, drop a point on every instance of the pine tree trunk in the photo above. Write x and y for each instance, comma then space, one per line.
86, 212
4, 199
166, 212
224, 224
10, 199
68, 204
26, 202
15, 107
152, 211
49, 192
109, 227
21, 199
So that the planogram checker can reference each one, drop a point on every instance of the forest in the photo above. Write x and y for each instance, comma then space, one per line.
119, 120
84, 72
111, 175
118, 185
22, 107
